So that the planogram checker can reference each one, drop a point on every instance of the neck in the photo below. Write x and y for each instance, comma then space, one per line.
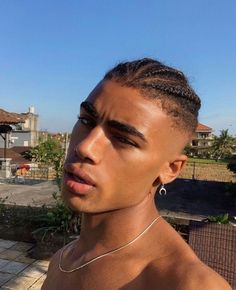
105, 231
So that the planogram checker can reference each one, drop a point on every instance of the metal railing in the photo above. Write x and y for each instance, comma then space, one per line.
13, 175
192, 170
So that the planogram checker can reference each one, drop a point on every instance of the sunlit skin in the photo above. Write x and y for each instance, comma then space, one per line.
125, 146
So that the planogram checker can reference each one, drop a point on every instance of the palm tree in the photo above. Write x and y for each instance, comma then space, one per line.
223, 145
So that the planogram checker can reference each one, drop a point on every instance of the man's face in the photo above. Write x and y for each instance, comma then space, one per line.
119, 147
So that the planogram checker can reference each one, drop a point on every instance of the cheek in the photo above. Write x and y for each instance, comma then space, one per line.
133, 170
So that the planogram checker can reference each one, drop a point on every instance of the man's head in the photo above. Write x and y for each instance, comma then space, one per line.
129, 137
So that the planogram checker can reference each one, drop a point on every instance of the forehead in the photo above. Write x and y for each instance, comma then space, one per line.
113, 101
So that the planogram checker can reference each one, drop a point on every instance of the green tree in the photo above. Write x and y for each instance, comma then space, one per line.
232, 167
49, 153
60, 219
223, 145
189, 150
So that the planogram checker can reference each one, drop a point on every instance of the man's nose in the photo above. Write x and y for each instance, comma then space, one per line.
92, 146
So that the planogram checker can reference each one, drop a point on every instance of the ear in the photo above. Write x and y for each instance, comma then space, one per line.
172, 169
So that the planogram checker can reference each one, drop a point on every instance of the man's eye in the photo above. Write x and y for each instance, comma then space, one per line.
125, 141
86, 121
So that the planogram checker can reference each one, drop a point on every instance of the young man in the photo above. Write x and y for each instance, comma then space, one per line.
127, 143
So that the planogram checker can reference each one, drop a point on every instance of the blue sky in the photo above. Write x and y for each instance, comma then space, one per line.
53, 52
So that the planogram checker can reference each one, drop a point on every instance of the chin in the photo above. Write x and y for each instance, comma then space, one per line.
78, 204
74, 203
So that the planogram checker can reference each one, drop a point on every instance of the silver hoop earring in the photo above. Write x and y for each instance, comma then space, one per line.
162, 190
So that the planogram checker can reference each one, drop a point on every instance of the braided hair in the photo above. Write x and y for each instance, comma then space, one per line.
165, 84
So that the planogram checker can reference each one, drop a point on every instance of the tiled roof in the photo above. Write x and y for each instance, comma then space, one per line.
11, 118
202, 127
20, 149
16, 157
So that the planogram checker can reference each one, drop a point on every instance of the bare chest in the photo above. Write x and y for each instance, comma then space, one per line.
110, 276
105, 275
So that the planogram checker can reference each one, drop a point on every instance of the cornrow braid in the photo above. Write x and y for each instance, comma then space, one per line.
177, 90
165, 72
166, 84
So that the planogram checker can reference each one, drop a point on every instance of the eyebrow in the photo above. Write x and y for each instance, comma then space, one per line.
126, 128
123, 127
89, 108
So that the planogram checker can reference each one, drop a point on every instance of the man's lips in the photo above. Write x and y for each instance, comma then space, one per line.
79, 174
77, 180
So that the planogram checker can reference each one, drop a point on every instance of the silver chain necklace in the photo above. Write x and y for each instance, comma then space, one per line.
105, 254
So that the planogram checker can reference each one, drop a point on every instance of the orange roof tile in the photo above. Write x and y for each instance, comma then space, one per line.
202, 127
16, 157
11, 118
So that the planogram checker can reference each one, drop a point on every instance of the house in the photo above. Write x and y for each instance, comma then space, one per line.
7, 121
25, 132
14, 156
202, 138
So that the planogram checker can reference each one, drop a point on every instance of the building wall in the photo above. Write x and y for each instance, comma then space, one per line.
31, 122
25, 134
18, 138
202, 139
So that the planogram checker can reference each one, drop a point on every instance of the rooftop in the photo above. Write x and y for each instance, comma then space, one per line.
11, 118
15, 156
202, 127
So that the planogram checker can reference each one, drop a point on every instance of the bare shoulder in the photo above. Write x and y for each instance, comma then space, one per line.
52, 270
197, 275
180, 268
54, 262
189, 275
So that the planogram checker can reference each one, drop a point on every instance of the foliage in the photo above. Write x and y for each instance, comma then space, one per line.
190, 151
47, 152
223, 145
204, 153
232, 167
2, 202
194, 152
50, 153
219, 219
60, 219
